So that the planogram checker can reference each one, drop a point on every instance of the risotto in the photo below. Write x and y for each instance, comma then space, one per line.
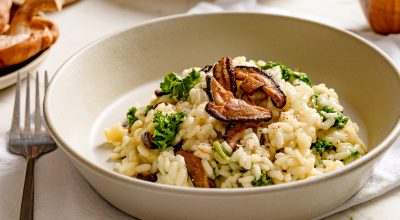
237, 123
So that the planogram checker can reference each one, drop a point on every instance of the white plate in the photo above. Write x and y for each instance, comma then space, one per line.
11, 78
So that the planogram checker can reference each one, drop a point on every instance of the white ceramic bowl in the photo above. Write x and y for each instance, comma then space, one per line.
94, 89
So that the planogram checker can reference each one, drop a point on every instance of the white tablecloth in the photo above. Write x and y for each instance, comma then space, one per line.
61, 192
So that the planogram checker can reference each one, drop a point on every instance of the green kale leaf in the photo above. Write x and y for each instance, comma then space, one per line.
321, 145
166, 128
130, 116
314, 100
355, 154
327, 109
148, 108
324, 110
264, 180
171, 81
340, 121
303, 77
179, 88
288, 74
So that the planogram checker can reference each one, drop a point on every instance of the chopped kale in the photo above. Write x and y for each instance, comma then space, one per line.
340, 121
148, 108
192, 79
170, 82
327, 109
322, 145
130, 116
264, 180
303, 77
288, 74
314, 100
179, 88
324, 110
355, 154
166, 128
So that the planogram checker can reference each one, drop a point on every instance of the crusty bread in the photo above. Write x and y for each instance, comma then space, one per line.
20, 22
44, 34
65, 2
10, 40
5, 7
20, 52
49, 31
28, 34
18, 2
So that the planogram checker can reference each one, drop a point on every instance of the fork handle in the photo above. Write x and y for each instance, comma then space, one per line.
27, 203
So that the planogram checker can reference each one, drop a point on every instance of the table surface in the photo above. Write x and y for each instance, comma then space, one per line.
88, 20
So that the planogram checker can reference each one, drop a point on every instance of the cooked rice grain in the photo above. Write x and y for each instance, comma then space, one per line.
286, 154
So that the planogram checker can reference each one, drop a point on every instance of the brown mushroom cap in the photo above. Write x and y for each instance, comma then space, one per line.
254, 78
216, 92
147, 140
225, 107
255, 98
195, 169
223, 73
237, 110
251, 83
159, 93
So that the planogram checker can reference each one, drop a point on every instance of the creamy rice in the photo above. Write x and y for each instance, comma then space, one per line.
288, 152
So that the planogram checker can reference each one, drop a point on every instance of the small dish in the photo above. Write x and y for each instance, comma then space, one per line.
8, 76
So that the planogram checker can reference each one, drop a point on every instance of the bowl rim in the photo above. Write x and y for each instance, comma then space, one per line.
114, 176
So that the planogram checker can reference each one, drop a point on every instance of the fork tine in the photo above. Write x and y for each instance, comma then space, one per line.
46, 80
46, 84
15, 132
27, 129
37, 107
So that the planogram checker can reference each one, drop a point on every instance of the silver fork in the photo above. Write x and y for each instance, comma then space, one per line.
27, 143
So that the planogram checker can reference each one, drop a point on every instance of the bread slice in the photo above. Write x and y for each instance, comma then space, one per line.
5, 7
20, 22
17, 48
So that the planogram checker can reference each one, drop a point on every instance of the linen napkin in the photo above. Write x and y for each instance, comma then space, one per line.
386, 175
